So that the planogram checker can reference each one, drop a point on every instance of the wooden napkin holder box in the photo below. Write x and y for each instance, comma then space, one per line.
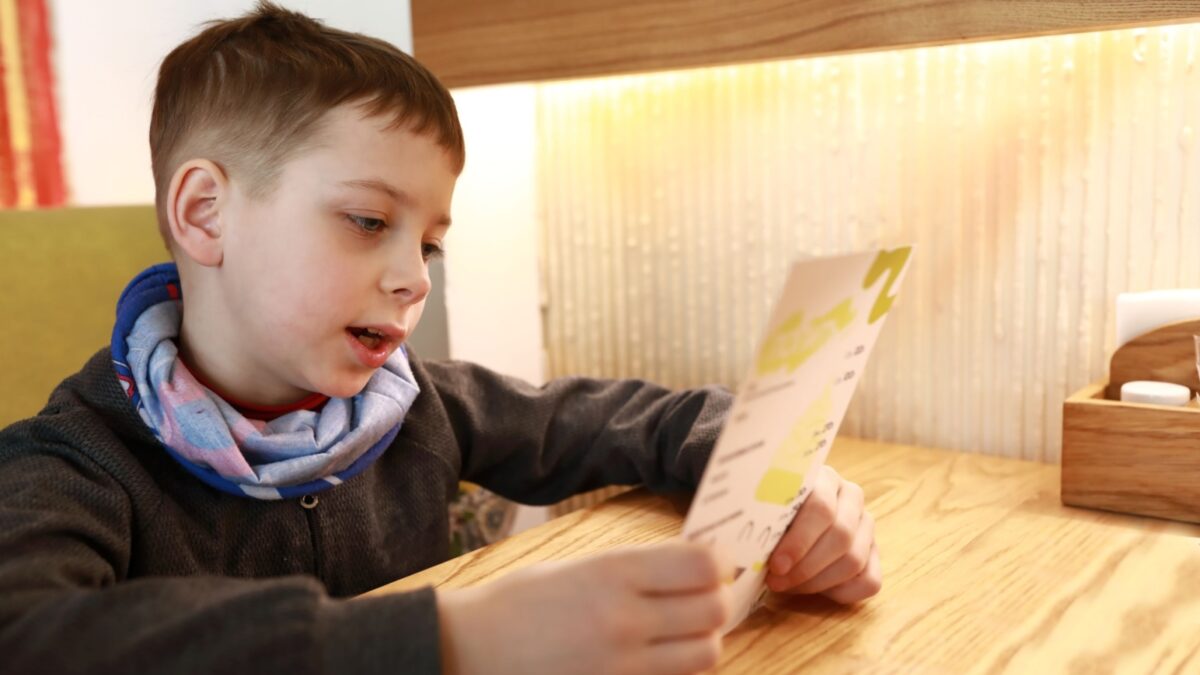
1135, 458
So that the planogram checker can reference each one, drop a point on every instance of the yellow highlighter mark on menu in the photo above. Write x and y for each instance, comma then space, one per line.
890, 263
794, 340
785, 475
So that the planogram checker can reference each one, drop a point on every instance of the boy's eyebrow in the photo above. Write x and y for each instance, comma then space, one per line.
385, 187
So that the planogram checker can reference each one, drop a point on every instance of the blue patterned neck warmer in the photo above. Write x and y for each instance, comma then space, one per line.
297, 454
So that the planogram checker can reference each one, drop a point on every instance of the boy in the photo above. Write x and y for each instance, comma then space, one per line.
208, 492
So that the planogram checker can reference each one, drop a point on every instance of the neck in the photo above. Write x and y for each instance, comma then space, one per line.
212, 354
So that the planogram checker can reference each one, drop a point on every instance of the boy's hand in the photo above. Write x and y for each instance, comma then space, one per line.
656, 610
830, 546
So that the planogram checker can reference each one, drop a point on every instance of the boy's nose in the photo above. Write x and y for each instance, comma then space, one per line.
413, 291
408, 282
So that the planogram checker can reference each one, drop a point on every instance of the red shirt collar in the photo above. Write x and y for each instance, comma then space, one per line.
264, 413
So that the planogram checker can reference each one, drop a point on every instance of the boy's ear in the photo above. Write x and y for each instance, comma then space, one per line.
198, 191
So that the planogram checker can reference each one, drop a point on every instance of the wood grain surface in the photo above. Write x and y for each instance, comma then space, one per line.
473, 42
985, 571
1131, 457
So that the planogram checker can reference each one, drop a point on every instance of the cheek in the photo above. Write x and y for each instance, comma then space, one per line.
309, 282
311, 304
300, 290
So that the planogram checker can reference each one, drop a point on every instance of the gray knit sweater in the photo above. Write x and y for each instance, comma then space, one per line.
114, 559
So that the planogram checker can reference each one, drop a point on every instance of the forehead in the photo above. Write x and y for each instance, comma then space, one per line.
349, 145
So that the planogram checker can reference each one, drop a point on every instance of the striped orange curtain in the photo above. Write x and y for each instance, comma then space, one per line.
30, 147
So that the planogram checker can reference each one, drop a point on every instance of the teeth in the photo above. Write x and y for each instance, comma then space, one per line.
370, 338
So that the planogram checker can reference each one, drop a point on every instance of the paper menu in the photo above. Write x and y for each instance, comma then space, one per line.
789, 408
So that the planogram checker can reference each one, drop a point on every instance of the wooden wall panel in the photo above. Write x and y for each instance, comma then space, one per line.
474, 42
1038, 178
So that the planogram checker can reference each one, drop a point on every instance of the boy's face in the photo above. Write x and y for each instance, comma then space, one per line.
340, 245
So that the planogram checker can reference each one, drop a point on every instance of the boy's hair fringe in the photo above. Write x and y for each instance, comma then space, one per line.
248, 93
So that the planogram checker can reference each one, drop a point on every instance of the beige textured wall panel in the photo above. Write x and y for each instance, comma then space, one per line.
1039, 178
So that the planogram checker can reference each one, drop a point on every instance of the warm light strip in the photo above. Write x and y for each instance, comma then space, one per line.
1039, 178
18, 103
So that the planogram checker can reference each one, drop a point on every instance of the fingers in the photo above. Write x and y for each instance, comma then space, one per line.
674, 567
866, 584
681, 656
681, 605
834, 543
848, 566
671, 617
815, 516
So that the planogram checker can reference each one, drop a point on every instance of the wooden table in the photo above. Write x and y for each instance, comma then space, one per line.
984, 571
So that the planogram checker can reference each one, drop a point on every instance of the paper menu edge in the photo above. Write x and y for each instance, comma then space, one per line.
877, 285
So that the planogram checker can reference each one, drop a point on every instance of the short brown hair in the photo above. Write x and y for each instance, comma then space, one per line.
249, 92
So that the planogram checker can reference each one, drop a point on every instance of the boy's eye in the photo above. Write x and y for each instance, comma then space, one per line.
368, 225
431, 251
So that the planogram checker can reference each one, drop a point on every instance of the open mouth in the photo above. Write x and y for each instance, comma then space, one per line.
372, 345
370, 338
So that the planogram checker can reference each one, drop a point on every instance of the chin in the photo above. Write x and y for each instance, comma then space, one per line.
343, 387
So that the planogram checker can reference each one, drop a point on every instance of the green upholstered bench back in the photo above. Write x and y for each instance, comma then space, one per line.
61, 272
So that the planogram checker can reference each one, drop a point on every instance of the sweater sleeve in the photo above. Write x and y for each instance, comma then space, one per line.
539, 445
65, 606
